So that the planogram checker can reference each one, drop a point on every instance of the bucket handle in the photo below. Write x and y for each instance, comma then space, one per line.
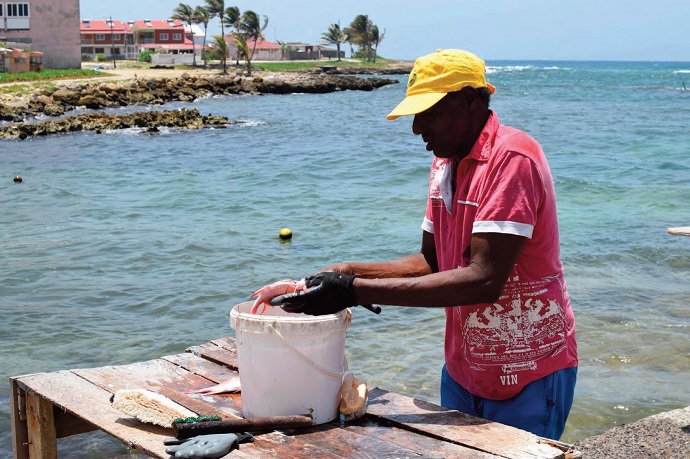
306, 359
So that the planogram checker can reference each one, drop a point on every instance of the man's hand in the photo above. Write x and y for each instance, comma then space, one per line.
328, 293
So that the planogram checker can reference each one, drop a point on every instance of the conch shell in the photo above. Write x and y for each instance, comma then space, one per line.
353, 395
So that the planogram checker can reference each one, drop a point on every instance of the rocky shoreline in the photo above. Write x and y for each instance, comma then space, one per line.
160, 90
150, 122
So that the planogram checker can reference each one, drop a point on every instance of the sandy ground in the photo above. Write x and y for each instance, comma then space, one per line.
128, 73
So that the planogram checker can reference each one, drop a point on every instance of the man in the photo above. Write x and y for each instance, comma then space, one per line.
490, 255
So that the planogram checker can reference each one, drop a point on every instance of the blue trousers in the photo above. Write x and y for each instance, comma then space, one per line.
542, 407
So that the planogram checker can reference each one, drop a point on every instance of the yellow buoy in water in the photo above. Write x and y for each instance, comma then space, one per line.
285, 234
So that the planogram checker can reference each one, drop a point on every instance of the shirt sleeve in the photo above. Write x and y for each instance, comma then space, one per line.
511, 196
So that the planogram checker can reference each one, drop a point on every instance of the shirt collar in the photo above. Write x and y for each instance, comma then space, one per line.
482, 147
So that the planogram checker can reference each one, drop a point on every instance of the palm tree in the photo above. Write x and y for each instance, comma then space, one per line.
359, 31
232, 15
376, 38
221, 48
202, 16
285, 50
249, 27
334, 36
185, 13
217, 8
242, 48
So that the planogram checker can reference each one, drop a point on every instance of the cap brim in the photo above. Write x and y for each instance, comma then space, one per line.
411, 105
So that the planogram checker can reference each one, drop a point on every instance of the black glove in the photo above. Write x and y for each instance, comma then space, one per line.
206, 446
328, 292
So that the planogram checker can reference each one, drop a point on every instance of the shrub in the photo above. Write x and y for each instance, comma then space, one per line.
145, 55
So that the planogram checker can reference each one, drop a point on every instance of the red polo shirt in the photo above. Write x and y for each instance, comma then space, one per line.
503, 186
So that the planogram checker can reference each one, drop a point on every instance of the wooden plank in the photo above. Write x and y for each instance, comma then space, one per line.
20, 432
227, 342
71, 393
41, 427
349, 443
159, 376
327, 440
423, 445
201, 408
212, 372
680, 231
221, 351
280, 445
460, 428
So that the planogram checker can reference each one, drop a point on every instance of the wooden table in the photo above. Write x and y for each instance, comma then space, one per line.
680, 231
48, 406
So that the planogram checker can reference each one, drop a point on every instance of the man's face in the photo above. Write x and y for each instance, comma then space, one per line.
445, 126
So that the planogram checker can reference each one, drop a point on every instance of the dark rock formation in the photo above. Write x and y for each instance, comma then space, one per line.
158, 91
99, 122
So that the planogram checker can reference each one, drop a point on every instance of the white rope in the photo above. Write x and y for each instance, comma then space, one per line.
306, 359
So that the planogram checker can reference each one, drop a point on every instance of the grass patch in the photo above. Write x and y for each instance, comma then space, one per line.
49, 74
23, 89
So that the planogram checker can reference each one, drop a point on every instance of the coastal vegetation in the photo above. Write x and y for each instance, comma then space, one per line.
187, 15
49, 74
334, 36
247, 28
365, 35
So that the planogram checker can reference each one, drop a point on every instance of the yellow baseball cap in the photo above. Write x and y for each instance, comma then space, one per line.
435, 75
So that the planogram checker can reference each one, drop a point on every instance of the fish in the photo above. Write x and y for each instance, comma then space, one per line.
230, 385
267, 293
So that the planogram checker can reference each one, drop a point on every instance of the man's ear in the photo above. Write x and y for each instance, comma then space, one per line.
471, 96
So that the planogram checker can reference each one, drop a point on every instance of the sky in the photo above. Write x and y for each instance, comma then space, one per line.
620, 30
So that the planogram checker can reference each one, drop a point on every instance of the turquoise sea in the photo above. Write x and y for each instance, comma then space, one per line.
126, 246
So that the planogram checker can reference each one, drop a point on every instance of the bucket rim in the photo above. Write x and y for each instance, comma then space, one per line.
340, 320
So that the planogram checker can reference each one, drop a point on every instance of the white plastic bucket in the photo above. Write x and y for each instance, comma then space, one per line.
290, 363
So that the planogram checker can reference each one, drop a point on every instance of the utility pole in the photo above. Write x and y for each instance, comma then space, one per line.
112, 43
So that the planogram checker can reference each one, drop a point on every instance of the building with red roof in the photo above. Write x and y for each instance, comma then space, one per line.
107, 37
264, 51
126, 40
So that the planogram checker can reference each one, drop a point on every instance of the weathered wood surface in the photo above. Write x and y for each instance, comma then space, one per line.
394, 426
429, 419
680, 231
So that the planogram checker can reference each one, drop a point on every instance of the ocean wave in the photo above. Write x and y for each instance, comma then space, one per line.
508, 68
